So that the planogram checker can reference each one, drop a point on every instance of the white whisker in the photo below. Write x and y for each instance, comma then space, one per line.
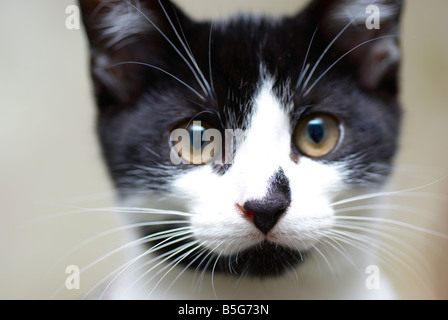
368, 229
214, 267
315, 248
155, 259
198, 255
111, 231
173, 263
137, 242
384, 207
402, 192
171, 44
341, 57
327, 236
206, 266
328, 48
128, 264
305, 65
86, 210
397, 223
396, 255
159, 69
184, 44
210, 57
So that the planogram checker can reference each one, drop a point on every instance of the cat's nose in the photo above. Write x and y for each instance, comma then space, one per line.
266, 212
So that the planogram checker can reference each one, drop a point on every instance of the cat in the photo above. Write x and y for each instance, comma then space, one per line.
305, 117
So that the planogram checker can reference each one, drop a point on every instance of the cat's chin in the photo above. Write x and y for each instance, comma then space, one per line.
263, 260
266, 259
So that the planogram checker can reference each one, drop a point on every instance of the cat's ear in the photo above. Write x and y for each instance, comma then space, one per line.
367, 33
123, 37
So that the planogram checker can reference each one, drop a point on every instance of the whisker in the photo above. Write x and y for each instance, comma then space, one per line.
365, 228
337, 247
390, 251
155, 259
152, 237
150, 211
206, 266
111, 231
292, 271
323, 256
213, 275
397, 223
207, 88
173, 263
86, 210
210, 56
402, 192
159, 69
305, 69
128, 264
341, 57
214, 266
181, 31
198, 114
352, 241
325, 242
328, 48
198, 255
198, 280
384, 207
171, 44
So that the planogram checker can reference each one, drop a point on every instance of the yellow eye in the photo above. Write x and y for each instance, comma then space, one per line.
317, 135
195, 145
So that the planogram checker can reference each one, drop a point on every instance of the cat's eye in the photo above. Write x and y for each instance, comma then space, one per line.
317, 135
195, 145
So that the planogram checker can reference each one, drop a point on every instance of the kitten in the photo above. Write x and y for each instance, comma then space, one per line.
304, 113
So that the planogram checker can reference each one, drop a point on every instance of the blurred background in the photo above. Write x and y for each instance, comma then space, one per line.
51, 168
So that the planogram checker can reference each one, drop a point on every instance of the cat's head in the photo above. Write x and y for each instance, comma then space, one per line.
302, 110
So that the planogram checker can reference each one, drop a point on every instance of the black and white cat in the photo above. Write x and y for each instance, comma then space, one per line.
304, 116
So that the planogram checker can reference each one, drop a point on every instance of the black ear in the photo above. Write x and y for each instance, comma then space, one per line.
367, 33
125, 35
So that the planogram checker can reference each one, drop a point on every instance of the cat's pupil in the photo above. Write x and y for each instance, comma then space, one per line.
316, 130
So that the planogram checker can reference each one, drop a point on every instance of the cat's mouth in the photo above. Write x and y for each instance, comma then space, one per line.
266, 259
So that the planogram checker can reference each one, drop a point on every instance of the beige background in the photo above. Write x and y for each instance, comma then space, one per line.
50, 163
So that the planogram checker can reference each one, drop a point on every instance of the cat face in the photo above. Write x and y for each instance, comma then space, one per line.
311, 96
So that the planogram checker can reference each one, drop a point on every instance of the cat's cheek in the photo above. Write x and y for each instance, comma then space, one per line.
302, 232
